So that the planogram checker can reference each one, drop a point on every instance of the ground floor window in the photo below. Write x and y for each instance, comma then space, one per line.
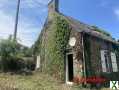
114, 62
109, 62
105, 60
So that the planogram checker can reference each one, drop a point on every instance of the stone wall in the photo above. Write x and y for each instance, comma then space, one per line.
77, 51
96, 46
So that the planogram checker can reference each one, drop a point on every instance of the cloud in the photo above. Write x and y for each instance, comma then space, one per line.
116, 12
29, 26
27, 32
24, 3
6, 25
34, 3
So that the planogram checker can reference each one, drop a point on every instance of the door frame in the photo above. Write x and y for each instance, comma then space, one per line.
67, 69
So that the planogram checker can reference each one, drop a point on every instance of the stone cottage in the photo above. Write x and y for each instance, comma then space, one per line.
68, 48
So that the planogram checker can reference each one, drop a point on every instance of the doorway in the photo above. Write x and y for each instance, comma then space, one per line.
69, 68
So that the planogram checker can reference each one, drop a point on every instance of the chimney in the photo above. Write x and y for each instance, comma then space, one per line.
53, 6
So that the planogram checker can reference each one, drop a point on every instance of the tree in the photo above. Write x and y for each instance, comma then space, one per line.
9, 52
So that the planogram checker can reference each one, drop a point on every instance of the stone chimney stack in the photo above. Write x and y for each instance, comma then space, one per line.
53, 6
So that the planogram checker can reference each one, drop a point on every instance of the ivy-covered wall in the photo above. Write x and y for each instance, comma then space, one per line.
53, 42
96, 46
93, 46
87, 51
53, 45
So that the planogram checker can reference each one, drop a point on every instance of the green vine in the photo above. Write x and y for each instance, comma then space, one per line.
53, 45
87, 50
61, 38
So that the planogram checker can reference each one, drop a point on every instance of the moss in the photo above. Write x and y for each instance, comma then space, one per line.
101, 31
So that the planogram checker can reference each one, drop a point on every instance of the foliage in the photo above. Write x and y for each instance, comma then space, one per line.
26, 52
52, 46
87, 50
8, 52
110, 77
61, 39
12, 54
101, 31
8, 48
37, 81
35, 47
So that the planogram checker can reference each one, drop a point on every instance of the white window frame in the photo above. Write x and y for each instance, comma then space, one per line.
104, 69
105, 61
67, 70
114, 62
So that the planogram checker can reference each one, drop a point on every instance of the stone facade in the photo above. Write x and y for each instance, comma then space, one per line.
84, 47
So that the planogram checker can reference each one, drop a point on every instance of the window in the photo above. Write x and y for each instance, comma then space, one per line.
105, 60
114, 62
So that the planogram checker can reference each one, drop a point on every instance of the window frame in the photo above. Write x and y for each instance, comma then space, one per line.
114, 62
105, 60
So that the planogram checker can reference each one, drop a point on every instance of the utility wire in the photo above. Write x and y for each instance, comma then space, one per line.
17, 17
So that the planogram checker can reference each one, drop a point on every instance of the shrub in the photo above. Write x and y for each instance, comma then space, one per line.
11, 56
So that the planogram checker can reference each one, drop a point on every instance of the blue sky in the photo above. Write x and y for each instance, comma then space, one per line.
102, 13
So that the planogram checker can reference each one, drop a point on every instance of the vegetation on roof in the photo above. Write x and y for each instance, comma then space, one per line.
101, 31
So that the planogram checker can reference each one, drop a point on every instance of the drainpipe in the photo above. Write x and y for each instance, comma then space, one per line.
84, 62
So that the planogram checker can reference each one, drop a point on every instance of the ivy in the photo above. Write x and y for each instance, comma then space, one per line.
52, 46
87, 50
61, 39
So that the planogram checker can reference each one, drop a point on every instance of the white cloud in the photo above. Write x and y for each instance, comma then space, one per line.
6, 25
34, 3
28, 29
116, 12
24, 3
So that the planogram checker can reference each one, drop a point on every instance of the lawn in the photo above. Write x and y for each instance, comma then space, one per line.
32, 82
36, 81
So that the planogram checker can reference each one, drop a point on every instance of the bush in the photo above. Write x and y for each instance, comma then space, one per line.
29, 63
12, 64
12, 55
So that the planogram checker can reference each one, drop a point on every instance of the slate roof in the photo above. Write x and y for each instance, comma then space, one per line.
81, 27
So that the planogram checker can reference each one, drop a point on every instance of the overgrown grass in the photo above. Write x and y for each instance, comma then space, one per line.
36, 81
31, 82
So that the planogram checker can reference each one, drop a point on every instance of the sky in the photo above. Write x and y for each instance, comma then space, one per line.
33, 13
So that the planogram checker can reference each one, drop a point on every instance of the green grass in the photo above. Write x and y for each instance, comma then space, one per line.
36, 81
